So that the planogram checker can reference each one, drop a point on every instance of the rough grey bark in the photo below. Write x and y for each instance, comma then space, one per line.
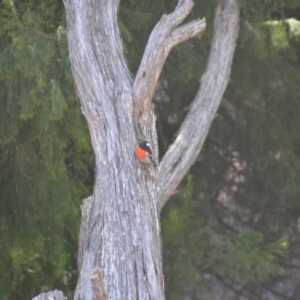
53, 295
120, 230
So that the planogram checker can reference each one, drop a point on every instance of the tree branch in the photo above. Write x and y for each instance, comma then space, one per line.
187, 31
163, 38
192, 134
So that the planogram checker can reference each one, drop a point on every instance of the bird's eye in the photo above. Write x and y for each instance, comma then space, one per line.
147, 144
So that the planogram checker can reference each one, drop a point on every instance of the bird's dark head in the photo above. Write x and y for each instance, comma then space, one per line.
145, 145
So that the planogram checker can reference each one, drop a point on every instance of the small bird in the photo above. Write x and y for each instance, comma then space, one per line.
144, 153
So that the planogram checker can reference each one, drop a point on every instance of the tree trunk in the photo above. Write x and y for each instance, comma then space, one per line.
120, 231
123, 232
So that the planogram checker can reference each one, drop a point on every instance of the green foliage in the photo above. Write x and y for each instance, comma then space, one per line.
258, 11
45, 152
192, 250
185, 63
135, 22
245, 258
181, 245
283, 34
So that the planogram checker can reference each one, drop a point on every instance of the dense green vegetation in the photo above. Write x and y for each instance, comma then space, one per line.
46, 159
234, 224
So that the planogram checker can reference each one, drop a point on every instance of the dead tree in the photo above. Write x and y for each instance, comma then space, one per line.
120, 230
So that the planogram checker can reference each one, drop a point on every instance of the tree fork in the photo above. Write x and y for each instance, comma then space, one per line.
120, 230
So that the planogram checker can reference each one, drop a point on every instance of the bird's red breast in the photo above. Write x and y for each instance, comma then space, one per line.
140, 153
